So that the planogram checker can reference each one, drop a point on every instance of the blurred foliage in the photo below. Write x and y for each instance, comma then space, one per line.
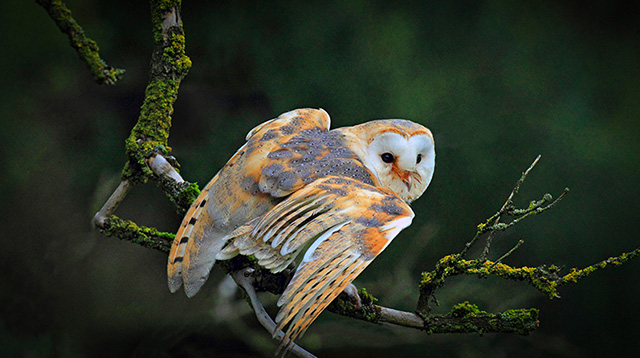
497, 82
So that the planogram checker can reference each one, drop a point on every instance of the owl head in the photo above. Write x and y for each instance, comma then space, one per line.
400, 153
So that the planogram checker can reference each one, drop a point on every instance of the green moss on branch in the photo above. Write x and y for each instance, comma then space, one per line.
546, 279
181, 194
169, 65
576, 274
467, 318
542, 277
367, 311
144, 236
87, 48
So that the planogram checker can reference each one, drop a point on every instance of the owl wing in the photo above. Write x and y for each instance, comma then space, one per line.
235, 195
346, 222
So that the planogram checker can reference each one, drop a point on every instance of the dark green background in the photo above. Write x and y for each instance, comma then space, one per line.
497, 82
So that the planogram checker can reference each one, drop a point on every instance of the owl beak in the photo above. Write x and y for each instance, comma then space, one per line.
407, 182
410, 178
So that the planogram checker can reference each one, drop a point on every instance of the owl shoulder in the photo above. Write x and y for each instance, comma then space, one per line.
291, 122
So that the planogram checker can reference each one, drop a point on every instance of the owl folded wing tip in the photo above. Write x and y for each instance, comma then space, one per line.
174, 284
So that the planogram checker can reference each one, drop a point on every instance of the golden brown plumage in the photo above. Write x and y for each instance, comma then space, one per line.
294, 183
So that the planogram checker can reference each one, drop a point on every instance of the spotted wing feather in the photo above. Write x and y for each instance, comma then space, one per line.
235, 196
347, 224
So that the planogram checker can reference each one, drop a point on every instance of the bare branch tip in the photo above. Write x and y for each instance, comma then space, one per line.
520, 242
535, 161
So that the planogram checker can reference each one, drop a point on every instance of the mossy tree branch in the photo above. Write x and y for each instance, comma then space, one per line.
467, 318
169, 65
546, 279
87, 48
144, 236
147, 146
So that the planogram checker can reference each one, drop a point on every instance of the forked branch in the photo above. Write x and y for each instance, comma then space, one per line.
493, 224
546, 279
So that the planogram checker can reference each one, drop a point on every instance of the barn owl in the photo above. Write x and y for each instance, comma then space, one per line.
343, 193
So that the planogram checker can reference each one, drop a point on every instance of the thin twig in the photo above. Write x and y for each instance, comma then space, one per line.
534, 210
487, 245
468, 245
399, 318
520, 242
87, 48
245, 279
576, 274
520, 181
112, 203
495, 218
507, 204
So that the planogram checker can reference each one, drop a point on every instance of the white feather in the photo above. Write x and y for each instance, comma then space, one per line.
308, 255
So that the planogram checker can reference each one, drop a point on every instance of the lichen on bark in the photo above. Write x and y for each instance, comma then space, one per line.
169, 65
87, 48
144, 236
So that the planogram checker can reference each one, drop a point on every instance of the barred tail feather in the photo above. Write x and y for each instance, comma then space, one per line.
192, 226
192, 234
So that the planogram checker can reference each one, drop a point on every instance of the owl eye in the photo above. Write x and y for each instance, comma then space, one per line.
387, 157
419, 158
